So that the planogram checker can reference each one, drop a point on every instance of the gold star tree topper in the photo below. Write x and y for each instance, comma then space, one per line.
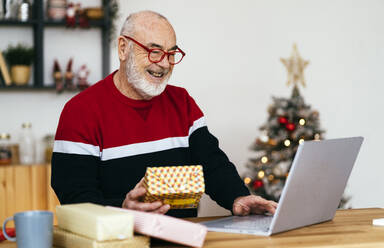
295, 67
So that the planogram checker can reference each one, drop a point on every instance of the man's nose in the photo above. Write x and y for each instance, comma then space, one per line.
164, 62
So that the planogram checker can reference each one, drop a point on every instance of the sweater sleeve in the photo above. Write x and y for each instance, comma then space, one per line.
222, 181
76, 158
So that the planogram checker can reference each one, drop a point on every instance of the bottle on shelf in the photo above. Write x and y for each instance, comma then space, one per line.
49, 139
24, 11
27, 144
5, 149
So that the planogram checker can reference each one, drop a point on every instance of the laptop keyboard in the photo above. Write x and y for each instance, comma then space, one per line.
254, 222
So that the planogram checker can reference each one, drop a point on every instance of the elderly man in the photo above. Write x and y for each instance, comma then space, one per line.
110, 133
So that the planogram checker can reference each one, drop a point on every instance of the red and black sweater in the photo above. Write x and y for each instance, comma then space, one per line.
105, 141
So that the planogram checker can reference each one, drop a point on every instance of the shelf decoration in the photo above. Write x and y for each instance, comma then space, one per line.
76, 16
4, 72
70, 16
58, 77
19, 58
52, 13
82, 77
113, 9
95, 13
69, 76
56, 9
82, 17
66, 81
10, 9
24, 11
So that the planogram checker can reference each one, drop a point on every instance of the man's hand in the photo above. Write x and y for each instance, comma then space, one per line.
252, 204
133, 201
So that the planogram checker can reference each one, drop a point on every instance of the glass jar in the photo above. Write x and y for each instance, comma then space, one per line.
27, 144
5, 149
48, 140
24, 11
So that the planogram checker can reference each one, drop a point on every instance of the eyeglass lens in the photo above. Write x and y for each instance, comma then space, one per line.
173, 58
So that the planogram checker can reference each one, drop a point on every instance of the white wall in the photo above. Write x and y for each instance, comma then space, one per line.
232, 69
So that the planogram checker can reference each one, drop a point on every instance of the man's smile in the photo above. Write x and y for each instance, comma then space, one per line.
156, 74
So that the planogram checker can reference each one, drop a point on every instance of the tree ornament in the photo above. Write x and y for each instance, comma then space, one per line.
257, 184
271, 109
280, 111
315, 114
295, 67
271, 177
264, 138
272, 142
290, 126
278, 170
283, 120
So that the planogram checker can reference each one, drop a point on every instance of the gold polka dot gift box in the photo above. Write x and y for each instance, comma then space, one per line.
178, 186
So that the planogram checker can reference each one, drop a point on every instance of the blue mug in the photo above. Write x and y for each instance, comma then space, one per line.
33, 229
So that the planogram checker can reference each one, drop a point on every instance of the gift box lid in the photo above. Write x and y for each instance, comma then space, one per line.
175, 179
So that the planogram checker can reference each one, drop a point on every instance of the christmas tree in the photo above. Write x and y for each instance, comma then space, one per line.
291, 121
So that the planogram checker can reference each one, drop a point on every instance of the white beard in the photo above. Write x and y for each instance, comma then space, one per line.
146, 89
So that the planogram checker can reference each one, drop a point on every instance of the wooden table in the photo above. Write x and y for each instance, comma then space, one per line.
350, 228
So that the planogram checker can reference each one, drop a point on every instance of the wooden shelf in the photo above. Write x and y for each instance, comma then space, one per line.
35, 88
26, 87
10, 22
38, 24
92, 23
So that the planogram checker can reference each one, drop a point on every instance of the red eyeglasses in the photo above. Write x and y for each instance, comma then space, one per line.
156, 55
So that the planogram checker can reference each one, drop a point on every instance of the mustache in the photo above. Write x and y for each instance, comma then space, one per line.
158, 69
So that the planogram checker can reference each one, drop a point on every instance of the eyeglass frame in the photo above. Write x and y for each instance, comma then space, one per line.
158, 49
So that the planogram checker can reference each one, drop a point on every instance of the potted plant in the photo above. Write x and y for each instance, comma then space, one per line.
19, 58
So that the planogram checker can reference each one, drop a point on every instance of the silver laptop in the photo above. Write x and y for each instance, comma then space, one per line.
312, 193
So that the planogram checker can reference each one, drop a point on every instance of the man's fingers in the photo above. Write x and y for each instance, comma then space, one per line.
253, 204
146, 206
273, 203
240, 208
264, 206
259, 200
259, 204
136, 193
270, 208
140, 184
237, 210
163, 209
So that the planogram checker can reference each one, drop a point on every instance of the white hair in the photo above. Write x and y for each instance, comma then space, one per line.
129, 28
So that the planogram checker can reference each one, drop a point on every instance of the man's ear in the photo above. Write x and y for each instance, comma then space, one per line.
122, 48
